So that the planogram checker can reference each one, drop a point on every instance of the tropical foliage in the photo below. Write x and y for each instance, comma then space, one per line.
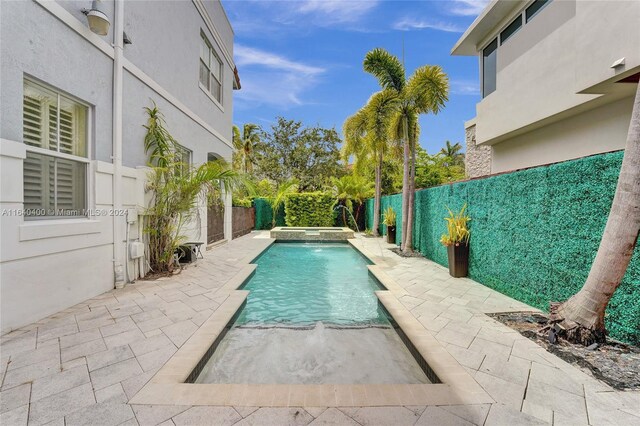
176, 190
434, 170
457, 228
244, 146
389, 217
282, 192
367, 139
351, 191
291, 150
309, 209
425, 91
452, 152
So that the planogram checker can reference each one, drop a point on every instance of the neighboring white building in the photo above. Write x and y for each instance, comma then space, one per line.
71, 136
557, 77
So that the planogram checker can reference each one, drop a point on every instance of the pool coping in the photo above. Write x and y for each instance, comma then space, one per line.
321, 233
168, 387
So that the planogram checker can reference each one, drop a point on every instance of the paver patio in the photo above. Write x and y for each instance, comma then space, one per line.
82, 365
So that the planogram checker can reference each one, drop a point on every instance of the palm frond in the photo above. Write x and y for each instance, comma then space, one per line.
386, 68
428, 89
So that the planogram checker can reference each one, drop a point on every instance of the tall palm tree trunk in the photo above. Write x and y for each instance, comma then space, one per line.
408, 244
378, 197
582, 316
405, 182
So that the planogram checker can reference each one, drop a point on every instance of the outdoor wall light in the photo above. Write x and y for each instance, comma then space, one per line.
98, 20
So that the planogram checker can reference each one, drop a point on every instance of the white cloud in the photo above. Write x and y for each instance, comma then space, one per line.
274, 17
467, 7
330, 12
465, 87
269, 78
249, 56
406, 24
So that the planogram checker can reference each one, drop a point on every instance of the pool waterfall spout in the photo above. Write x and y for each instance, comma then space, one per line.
350, 214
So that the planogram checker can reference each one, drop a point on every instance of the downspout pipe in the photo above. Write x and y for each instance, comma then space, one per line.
118, 225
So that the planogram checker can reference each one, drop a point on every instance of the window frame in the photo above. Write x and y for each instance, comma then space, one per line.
503, 39
57, 154
482, 55
497, 36
207, 90
182, 151
525, 11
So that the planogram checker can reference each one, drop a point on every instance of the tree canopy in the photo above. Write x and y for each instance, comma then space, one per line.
291, 150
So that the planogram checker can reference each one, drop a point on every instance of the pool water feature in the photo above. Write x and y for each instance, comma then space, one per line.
311, 317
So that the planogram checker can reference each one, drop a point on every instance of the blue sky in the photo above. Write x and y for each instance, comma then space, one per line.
303, 59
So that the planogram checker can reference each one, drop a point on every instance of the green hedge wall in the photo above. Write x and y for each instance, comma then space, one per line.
264, 214
534, 233
309, 209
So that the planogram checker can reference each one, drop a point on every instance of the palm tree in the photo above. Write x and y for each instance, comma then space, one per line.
244, 145
453, 152
366, 136
361, 189
176, 189
424, 92
341, 189
582, 316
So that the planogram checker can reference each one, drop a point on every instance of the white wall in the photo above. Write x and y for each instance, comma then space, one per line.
599, 130
49, 265
556, 63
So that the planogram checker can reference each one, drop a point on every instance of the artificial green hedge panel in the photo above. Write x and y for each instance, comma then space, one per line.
264, 214
309, 209
534, 233
395, 202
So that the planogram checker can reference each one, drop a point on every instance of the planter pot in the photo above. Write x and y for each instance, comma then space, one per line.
391, 234
458, 260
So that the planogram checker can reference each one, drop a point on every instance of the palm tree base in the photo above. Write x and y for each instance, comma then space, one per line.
572, 331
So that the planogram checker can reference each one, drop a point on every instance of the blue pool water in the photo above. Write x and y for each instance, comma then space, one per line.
301, 284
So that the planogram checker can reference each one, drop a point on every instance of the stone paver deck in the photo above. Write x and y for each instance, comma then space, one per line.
82, 365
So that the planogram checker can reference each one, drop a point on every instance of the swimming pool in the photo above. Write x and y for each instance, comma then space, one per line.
311, 317
299, 284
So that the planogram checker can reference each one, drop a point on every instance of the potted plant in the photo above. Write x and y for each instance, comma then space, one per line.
457, 242
389, 220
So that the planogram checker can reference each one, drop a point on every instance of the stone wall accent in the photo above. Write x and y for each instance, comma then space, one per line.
478, 158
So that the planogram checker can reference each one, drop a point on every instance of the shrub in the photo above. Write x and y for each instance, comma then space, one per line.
241, 202
457, 229
309, 209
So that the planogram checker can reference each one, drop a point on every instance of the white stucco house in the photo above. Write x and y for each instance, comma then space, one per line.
557, 80
72, 157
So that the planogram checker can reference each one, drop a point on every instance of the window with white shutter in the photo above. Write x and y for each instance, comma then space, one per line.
55, 170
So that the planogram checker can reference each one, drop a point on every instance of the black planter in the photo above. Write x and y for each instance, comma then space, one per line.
458, 260
391, 234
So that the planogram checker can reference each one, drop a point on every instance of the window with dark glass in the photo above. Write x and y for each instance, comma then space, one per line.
511, 29
489, 68
535, 7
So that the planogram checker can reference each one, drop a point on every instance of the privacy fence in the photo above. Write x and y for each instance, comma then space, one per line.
264, 214
534, 232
